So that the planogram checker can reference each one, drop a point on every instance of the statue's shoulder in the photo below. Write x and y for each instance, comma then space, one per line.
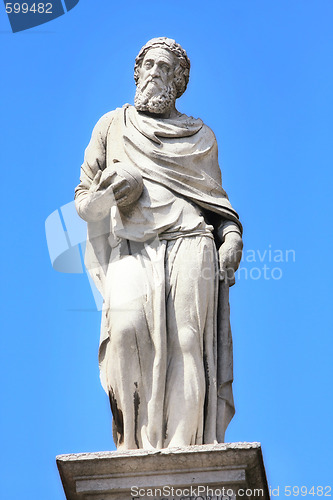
190, 120
102, 126
197, 123
107, 118
207, 130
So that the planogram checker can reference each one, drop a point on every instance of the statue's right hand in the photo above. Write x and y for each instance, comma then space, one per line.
100, 196
102, 180
107, 179
107, 189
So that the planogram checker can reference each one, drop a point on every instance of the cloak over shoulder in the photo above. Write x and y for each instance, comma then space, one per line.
180, 153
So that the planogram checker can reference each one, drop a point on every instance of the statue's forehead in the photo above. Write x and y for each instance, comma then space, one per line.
160, 54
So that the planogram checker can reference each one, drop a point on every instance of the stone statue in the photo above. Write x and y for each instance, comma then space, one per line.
163, 243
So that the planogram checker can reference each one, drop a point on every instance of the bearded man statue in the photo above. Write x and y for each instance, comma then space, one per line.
163, 243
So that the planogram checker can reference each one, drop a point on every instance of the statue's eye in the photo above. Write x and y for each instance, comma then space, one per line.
148, 64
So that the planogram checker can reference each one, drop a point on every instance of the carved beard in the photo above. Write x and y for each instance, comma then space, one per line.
155, 98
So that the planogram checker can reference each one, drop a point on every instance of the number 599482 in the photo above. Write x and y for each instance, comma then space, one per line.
35, 8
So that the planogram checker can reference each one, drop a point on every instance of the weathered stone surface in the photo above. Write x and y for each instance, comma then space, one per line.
236, 467
162, 240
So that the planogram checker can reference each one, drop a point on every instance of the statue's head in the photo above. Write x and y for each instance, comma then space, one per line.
161, 74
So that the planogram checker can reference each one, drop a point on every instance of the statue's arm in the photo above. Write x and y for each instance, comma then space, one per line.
229, 233
227, 227
230, 251
94, 195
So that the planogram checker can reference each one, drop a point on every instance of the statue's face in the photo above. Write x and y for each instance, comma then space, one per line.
156, 91
157, 68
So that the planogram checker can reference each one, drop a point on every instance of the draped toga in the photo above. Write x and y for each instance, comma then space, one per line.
166, 349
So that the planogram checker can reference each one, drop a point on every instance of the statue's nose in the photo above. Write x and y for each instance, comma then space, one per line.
154, 71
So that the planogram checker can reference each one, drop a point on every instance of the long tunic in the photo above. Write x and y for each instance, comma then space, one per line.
156, 266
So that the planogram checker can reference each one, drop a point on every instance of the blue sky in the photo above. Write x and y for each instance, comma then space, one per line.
262, 79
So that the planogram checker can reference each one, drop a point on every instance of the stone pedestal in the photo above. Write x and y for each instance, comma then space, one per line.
207, 472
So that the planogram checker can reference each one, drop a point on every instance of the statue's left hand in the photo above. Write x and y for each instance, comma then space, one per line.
230, 254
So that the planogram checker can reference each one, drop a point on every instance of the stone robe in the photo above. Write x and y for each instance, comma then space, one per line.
166, 350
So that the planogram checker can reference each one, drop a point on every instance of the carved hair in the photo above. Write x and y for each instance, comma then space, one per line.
182, 69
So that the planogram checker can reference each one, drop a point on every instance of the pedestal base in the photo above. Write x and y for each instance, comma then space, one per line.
207, 472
